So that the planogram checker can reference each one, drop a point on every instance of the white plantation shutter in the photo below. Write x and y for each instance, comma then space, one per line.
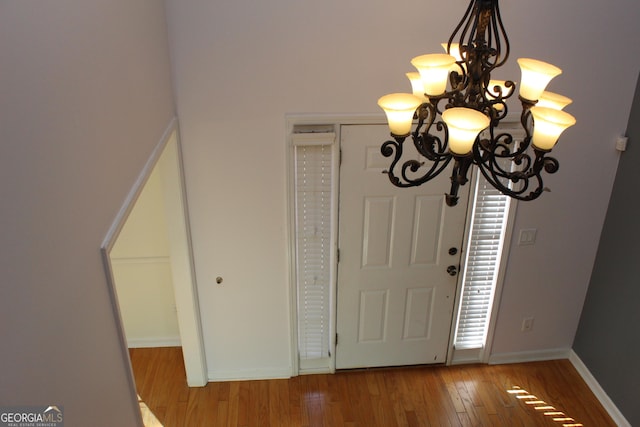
482, 265
314, 183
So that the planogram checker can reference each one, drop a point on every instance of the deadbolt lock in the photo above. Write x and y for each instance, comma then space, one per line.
453, 251
452, 270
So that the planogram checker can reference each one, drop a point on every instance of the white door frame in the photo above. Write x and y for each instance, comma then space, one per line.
338, 120
186, 296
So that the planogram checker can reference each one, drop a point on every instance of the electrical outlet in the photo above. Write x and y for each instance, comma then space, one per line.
527, 324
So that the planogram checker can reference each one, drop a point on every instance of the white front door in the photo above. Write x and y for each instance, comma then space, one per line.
395, 297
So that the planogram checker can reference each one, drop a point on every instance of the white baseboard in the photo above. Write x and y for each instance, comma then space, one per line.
598, 391
529, 356
154, 342
250, 374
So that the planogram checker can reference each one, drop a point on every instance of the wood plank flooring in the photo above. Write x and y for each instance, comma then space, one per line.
474, 395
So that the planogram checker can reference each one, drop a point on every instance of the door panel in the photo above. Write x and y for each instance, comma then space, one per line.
418, 312
395, 297
373, 315
378, 231
426, 230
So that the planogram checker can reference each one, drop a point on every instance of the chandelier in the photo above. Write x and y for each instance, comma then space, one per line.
455, 99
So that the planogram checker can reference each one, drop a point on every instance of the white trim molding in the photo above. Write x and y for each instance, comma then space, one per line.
249, 374
141, 260
154, 342
180, 257
529, 356
598, 391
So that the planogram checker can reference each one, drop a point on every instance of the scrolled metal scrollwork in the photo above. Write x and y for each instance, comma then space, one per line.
513, 166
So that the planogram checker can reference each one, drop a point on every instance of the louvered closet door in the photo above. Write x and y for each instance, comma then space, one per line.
395, 297
314, 190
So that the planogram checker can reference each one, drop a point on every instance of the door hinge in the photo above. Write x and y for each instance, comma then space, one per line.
336, 343
340, 157
338, 255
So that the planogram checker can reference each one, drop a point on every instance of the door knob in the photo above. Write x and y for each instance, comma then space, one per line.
452, 270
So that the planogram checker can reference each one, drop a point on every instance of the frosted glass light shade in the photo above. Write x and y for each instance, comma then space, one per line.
455, 50
434, 70
553, 100
464, 125
548, 124
536, 75
416, 84
399, 108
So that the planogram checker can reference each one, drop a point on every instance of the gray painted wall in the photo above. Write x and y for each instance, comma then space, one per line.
238, 71
608, 338
85, 96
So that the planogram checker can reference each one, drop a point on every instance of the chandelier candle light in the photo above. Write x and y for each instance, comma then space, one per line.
450, 122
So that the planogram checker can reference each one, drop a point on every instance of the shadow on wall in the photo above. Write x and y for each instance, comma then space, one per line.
607, 341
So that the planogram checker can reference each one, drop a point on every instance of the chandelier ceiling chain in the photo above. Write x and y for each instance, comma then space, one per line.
449, 122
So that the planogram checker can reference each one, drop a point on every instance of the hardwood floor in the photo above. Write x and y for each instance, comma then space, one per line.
475, 395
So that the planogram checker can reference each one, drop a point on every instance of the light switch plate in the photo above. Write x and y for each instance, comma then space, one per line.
527, 236
621, 143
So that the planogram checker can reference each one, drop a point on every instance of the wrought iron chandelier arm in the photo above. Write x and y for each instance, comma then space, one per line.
460, 24
542, 161
503, 146
526, 119
489, 155
395, 149
414, 165
458, 177
492, 164
514, 167
427, 144
495, 96
517, 184
431, 146
481, 27
505, 189
500, 36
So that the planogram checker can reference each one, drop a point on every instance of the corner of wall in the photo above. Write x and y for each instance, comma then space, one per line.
598, 391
